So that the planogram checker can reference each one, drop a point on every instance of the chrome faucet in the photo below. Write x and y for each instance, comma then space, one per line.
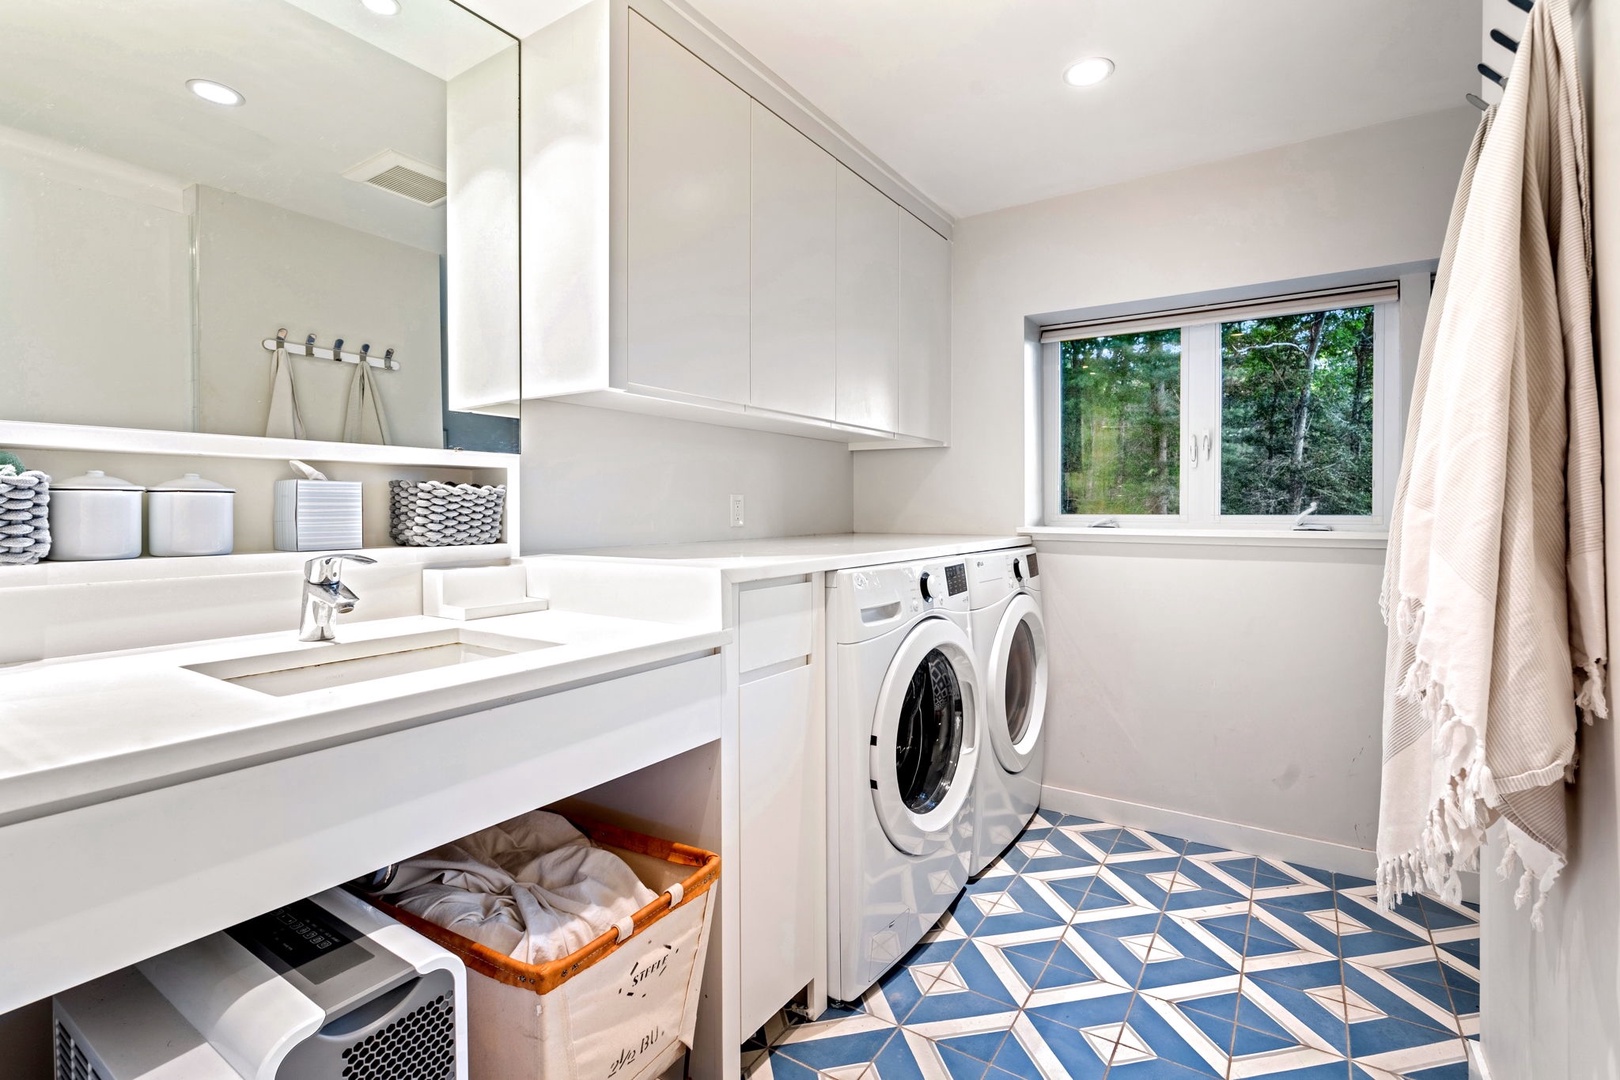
325, 596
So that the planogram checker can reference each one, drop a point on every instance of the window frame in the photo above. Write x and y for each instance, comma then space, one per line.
1201, 390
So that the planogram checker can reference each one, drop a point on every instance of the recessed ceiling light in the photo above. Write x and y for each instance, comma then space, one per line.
382, 7
1088, 72
218, 93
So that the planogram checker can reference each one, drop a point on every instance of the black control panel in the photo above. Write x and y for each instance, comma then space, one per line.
302, 937
1034, 566
956, 579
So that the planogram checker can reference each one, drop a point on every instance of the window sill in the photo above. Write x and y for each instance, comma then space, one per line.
1338, 538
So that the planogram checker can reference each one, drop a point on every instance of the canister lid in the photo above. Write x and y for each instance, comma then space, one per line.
96, 480
191, 482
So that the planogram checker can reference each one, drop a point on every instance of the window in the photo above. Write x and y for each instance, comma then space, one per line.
1244, 415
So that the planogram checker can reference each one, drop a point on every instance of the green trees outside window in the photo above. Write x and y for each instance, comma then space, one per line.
1296, 413
1288, 399
1121, 424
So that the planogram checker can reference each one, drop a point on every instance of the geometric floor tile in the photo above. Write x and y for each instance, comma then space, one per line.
1095, 952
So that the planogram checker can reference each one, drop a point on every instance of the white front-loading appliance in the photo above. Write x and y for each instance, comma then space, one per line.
1009, 641
904, 739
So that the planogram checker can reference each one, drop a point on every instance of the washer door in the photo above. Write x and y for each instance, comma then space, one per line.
925, 737
1015, 707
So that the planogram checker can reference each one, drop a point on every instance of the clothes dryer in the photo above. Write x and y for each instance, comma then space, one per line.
1009, 641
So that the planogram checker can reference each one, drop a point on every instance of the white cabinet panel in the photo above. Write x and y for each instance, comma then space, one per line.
925, 331
688, 181
774, 624
783, 811
794, 268
868, 304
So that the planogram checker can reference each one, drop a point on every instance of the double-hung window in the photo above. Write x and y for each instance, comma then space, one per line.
1249, 415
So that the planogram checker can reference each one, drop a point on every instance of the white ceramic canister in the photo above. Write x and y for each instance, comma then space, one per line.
190, 516
95, 516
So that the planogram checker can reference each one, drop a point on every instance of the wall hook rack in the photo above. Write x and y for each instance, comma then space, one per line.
307, 347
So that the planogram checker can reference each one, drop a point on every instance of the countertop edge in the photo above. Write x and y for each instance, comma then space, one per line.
56, 789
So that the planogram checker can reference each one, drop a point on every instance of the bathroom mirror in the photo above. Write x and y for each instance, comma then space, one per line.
181, 179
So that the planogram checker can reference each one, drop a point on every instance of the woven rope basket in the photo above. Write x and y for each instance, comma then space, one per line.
431, 513
25, 530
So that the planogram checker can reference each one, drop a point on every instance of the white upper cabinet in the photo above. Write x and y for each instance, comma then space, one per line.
925, 332
688, 221
697, 244
793, 304
868, 305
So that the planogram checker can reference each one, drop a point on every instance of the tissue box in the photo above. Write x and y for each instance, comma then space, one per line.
317, 515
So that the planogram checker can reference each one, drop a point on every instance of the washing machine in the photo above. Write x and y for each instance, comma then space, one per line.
904, 741
1009, 642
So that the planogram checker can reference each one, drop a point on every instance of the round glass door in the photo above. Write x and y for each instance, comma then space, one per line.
1017, 687
925, 736
930, 737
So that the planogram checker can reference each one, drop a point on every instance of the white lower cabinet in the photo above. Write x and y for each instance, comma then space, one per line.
784, 822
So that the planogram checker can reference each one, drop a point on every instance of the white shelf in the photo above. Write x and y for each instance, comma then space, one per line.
26, 435
151, 568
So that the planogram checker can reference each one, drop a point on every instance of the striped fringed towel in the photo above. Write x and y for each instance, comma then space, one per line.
1493, 586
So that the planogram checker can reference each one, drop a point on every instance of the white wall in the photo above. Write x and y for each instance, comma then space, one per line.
261, 267
1236, 684
95, 291
1549, 1001
600, 478
1155, 698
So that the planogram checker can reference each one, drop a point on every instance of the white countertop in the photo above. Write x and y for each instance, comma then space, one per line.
80, 730
744, 560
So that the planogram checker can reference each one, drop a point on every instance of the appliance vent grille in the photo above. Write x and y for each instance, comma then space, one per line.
71, 1063
420, 1045
406, 177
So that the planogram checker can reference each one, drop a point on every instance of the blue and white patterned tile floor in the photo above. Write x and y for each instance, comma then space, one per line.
1091, 951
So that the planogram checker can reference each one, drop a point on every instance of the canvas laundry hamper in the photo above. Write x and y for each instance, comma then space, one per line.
621, 1008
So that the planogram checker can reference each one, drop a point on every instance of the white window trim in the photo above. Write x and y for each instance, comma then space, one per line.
1201, 421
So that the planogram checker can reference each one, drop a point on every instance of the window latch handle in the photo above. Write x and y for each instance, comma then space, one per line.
1209, 446
1192, 448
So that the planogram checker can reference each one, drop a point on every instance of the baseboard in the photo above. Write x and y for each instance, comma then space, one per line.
1251, 839
1322, 854
1477, 1068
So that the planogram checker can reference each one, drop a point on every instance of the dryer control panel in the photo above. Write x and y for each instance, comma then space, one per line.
996, 575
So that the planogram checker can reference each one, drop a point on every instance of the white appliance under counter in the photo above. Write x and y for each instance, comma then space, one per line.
144, 804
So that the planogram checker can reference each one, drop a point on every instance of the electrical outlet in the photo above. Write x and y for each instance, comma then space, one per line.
736, 511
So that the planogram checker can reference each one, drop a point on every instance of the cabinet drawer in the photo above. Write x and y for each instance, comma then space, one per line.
774, 624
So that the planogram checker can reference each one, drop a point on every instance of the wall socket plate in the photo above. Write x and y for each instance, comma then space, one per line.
736, 511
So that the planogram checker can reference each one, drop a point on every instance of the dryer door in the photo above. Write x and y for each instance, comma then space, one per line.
1015, 691
925, 737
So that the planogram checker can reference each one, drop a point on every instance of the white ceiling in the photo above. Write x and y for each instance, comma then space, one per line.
965, 98
327, 86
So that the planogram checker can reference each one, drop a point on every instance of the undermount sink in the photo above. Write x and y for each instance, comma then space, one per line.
322, 667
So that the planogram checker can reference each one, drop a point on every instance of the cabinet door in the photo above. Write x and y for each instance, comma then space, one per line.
925, 331
794, 270
688, 221
781, 756
868, 304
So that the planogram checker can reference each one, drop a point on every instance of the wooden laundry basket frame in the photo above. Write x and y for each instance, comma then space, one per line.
544, 978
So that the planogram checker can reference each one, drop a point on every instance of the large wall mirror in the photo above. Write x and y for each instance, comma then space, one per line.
181, 179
